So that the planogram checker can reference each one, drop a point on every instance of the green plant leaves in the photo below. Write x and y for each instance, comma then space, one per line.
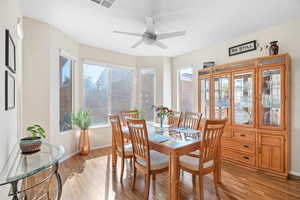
82, 119
36, 130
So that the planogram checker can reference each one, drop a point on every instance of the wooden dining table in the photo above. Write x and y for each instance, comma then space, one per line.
173, 142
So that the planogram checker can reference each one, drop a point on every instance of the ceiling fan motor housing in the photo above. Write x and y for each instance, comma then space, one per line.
149, 38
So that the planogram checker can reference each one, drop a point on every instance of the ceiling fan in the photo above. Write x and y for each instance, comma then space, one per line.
104, 3
150, 36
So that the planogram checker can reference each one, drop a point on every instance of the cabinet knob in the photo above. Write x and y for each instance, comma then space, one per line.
242, 135
246, 157
246, 146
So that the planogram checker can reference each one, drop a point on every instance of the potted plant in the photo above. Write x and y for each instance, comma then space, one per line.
82, 119
32, 143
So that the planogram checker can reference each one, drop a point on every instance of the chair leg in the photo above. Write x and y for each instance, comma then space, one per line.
134, 177
147, 186
153, 177
201, 192
122, 169
193, 179
215, 174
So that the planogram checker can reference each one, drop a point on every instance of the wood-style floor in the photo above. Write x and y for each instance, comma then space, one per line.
92, 178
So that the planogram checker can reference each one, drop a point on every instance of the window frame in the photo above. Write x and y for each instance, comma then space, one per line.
178, 84
154, 69
107, 66
73, 60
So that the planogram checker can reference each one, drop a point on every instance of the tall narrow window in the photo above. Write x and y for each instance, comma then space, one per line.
65, 93
107, 90
121, 89
147, 92
185, 90
96, 87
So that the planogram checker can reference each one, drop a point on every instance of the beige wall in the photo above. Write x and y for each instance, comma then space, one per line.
10, 120
289, 41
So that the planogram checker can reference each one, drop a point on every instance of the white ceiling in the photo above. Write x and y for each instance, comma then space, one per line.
206, 21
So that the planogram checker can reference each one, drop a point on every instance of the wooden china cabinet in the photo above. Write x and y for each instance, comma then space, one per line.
254, 97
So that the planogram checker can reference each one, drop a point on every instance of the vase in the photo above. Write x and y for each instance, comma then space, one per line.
84, 143
274, 48
161, 121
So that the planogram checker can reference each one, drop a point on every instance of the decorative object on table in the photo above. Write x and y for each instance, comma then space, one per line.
82, 119
274, 48
10, 52
208, 64
161, 113
9, 91
242, 48
32, 143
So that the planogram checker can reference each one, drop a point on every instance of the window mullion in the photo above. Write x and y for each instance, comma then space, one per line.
109, 90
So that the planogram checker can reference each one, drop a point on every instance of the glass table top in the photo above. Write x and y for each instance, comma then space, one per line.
20, 166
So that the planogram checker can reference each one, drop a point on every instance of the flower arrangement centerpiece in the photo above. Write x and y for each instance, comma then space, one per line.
161, 113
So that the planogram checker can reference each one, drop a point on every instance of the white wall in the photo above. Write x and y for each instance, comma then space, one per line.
9, 12
289, 42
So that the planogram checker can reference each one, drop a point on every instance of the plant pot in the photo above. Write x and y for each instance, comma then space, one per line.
30, 144
84, 143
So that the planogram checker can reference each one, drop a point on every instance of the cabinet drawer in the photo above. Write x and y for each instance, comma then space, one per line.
239, 145
243, 135
238, 156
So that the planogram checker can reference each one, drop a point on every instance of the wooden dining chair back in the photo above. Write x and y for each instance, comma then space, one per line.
191, 120
128, 114
211, 140
209, 155
174, 118
117, 132
140, 144
147, 161
124, 151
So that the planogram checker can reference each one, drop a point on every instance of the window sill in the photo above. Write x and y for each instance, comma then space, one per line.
66, 132
100, 126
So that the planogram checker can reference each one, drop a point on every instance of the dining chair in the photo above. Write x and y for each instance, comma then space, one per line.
208, 158
128, 114
147, 161
124, 151
174, 119
191, 120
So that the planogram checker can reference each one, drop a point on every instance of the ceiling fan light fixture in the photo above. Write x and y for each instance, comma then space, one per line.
104, 3
107, 3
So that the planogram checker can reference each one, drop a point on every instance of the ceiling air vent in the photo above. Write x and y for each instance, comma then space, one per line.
104, 3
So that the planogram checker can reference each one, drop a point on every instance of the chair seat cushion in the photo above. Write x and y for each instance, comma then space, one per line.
157, 160
192, 163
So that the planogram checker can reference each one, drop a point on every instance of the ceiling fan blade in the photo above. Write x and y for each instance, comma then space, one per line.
150, 22
128, 33
160, 44
138, 43
170, 35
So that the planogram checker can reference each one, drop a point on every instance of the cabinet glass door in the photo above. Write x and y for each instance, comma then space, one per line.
204, 97
243, 98
222, 97
270, 97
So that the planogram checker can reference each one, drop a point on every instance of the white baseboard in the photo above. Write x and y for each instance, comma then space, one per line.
74, 153
294, 173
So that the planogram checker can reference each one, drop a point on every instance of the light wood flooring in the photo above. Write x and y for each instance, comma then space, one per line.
92, 178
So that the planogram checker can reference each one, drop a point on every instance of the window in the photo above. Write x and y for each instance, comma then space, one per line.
65, 93
107, 90
185, 96
147, 92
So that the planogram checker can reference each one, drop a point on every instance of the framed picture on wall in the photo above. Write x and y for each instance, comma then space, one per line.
10, 52
9, 91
